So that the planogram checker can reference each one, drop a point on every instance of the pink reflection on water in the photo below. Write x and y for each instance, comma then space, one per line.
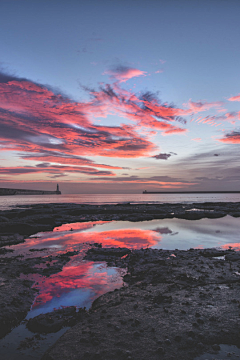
235, 246
79, 226
87, 275
70, 236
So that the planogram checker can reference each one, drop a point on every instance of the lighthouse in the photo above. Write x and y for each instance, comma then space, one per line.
58, 191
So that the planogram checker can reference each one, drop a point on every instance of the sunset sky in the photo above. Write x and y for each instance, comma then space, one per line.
120, 96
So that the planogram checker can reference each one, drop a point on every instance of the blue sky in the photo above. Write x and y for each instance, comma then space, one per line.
184, 53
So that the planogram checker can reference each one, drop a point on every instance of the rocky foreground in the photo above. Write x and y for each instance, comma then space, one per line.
175, 305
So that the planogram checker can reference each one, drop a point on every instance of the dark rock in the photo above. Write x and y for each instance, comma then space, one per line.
216, 347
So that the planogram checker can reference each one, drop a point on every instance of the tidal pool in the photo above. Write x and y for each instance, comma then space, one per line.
79, 282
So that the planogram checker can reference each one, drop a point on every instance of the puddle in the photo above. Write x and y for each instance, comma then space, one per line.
163, 234
12, 346
80, 282
230, 352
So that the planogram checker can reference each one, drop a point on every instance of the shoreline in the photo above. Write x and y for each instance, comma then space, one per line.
190, 267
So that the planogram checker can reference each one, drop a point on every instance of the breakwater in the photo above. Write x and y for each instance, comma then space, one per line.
7, 191
191, 192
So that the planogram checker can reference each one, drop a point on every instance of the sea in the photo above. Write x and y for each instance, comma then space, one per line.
9, 202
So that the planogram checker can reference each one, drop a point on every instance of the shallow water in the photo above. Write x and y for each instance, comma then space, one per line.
231, 352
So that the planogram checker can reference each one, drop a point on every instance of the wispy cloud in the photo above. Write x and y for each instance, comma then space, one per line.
163, 156
235, 98
231, 138
124, 73
53, 169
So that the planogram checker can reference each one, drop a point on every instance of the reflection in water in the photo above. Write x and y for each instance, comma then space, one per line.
77, 284
80, 281
165, 234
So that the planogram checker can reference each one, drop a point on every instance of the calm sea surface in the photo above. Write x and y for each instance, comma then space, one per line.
7, 202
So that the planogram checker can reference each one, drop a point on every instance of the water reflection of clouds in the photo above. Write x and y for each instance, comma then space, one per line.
80, 282
76, 285
70, 239
155, 233
164, 230
235, 246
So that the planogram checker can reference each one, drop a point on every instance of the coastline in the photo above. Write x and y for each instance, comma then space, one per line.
186, 275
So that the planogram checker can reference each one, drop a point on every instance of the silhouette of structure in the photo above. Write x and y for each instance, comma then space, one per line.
190, 192
7, 191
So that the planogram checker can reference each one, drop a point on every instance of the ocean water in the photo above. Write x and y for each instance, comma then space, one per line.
8, 202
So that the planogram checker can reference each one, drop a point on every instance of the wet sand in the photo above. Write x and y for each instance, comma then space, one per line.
172, 307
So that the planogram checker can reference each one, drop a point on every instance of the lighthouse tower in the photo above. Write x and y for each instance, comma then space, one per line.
58, 191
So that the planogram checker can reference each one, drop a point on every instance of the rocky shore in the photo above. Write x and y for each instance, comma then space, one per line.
175, 304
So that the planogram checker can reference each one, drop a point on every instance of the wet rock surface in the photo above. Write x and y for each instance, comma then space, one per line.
175, 305
16, 293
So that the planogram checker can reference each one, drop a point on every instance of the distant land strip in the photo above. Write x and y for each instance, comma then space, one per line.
190, 192
7, 191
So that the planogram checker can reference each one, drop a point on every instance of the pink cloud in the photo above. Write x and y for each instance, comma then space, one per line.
53, 169
124, 73
30, 114
199, 106
231, 138
234, 98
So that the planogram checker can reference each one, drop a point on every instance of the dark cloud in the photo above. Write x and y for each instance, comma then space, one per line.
232, 137
162, 156
4, 77
43, 165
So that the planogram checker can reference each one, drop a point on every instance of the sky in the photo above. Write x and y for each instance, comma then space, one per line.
120, 96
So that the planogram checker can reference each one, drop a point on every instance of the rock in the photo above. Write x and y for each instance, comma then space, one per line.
216, 347
160, 350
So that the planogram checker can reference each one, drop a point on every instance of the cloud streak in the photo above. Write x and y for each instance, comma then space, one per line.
231, 138
235, 98
163, 156
124, 73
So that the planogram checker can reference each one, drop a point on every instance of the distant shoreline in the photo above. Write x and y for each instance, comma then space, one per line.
190, 192
11, 192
